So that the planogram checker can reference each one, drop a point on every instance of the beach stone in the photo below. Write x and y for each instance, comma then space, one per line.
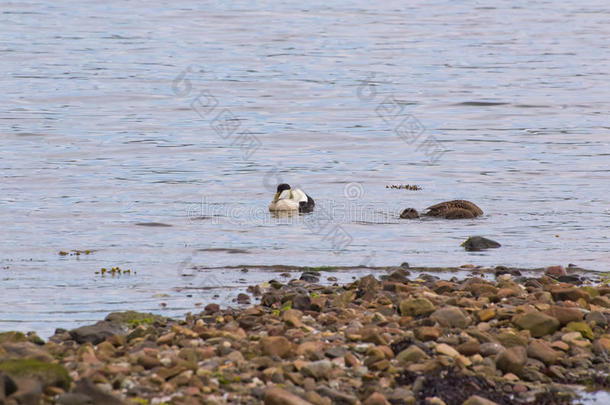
581, 327
279, 396
271, 298
469, 348
426, 333
29, 391
451, 317
478, 400
447, 350
212, 308
602, 301
565, 315
292, 317
575, 339
597, 318
477, 243
7, 386
569, 294
485, 315
243, 298
512, 359
509, 339
376, 399
97, 395
318, 369
412, 354
276, 346
372, 335
337, 397
555, 271
310, 348
367, 287
416, 307
98, 332
23, 350
540, 350
49, 374
336, 351
539, 324
70, 398
602, 345
301, 302
310, 276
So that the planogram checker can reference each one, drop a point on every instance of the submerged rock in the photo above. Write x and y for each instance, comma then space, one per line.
477, 243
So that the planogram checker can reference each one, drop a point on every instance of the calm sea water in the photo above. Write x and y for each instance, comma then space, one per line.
119, 117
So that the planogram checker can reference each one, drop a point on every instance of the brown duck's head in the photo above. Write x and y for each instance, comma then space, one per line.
409, 213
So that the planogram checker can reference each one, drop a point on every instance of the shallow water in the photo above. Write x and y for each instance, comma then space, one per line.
119, 115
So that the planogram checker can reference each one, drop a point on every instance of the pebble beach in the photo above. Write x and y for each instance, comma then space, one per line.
404, 337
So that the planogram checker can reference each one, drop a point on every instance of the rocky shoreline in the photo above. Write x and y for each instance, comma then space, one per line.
402, 338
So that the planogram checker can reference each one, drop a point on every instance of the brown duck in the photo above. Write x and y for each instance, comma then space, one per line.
455, 209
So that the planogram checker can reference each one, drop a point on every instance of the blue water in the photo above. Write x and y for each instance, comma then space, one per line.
188, 114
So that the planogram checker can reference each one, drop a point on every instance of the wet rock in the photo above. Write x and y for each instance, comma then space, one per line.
310, 277
416, 307
99, 332
477, 243
211, 308
409, 213
538, 323
243, 298
450, 317
512, 359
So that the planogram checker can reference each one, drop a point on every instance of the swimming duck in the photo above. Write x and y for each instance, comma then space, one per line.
455, 209
286, 199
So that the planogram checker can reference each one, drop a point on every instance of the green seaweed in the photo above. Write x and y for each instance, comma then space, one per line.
50, 374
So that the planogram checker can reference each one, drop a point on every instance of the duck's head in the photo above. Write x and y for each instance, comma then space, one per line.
280, 189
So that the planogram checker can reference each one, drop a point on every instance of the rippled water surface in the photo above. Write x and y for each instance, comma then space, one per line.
154, 136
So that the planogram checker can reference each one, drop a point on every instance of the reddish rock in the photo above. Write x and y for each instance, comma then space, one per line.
555, 271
